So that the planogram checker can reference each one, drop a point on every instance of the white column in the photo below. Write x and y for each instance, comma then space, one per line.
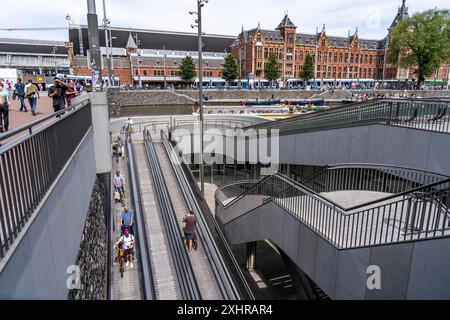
101, 128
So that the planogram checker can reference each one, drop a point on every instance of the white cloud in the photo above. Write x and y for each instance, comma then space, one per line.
220, 16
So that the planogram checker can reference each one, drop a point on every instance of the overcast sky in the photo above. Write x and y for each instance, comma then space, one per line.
372, 17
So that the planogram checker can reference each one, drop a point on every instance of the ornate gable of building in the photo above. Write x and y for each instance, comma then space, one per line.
286, 23
322, 37
131, 44
354, 40
402, 14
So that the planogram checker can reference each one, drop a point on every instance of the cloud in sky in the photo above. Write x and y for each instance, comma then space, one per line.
372, 17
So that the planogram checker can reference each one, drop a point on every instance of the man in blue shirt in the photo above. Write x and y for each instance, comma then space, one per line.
19, 90
127, 220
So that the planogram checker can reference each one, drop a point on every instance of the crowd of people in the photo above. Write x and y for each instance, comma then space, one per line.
62, 93
365, 96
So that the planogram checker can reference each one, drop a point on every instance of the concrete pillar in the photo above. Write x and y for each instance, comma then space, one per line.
251, 255
255, 171
101, 128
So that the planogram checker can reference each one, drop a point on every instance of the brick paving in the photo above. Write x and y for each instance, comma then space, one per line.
18, 118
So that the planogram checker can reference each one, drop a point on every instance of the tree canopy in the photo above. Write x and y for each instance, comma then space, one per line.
230, 69
308, 69
421, 41
271, 69
187, 69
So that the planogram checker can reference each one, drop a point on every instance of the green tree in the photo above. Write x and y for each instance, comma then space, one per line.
421, 41
187, 69
271, 70
308, 69
230, 69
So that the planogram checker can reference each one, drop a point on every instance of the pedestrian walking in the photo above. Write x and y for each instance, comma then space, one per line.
19, 92
58, 93
189, 229
5, 107
127, 220
71, 93
32, 94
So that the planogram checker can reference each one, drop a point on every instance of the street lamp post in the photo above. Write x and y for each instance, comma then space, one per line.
108, 57
139, 71
200, 4
138, 42
54, 57
165, 79
240, 66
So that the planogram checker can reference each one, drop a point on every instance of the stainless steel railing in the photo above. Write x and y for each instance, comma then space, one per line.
424, 114
31, 163
419, 213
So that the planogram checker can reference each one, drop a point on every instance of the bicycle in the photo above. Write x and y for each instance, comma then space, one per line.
121, 196
121, 258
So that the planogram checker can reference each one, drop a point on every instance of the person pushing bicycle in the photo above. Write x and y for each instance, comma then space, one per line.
127, 241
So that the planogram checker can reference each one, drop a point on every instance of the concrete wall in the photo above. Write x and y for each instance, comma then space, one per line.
251, 94
189, 97
413, 270
380, 144
374, 144
37, 268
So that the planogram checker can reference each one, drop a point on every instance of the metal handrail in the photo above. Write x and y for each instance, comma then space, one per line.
331, 177
349, 230
31, 125
30, 165
377, 111
145, 266
183, 267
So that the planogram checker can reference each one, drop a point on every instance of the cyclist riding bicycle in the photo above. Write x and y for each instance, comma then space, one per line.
127, 241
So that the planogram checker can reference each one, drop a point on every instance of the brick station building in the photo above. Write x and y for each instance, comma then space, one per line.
338, 61
149, 56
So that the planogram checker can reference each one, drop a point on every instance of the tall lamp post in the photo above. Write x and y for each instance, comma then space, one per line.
165, 79
139, 61
200, 5
108, 56
138, 43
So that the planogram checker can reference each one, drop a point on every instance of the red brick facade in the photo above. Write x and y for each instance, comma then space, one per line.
335, 58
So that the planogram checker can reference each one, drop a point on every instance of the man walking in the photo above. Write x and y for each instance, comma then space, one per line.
32, 94
189, 229
58, 93
19, 91
127, 217
119, 182
5, 106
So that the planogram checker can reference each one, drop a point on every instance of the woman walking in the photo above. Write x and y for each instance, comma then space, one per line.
5, 107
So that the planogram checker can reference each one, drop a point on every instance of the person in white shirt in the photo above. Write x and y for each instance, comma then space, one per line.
129, 126
127, 241
119, 182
